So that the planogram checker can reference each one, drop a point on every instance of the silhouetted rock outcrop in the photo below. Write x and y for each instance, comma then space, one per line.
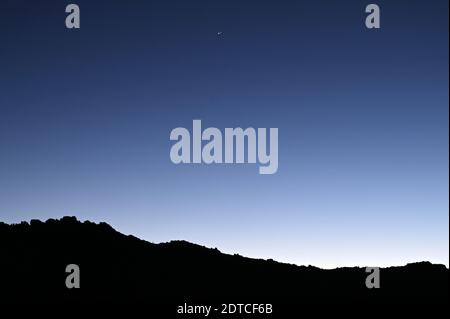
34, 257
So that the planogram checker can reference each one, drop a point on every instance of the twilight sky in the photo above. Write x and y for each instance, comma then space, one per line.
85, 118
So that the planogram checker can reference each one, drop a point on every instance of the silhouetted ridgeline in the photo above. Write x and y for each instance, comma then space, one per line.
112, 265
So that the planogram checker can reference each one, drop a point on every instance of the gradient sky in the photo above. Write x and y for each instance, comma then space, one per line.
85, 118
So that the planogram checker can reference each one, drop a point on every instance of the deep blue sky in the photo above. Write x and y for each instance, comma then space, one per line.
362, 117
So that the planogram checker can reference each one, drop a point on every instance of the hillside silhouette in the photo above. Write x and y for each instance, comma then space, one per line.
116, 266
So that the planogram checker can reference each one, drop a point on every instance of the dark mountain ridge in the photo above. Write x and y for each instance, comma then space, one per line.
112, 265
